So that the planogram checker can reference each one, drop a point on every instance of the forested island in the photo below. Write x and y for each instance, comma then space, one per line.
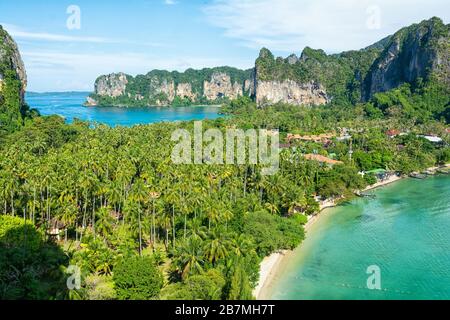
111, 202
209, 86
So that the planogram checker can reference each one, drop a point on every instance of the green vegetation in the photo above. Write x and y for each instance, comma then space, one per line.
137, 279
111, 202
420, 102
29, 265
354, 76
207, 286
13, 111
140, 227
10, 116
340, 74
130, 201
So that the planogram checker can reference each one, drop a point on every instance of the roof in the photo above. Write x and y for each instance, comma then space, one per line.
272, 132
319, 137
393, 132
432, 138
321, 159
344, 137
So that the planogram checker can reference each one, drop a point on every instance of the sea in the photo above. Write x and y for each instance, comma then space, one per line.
69, 105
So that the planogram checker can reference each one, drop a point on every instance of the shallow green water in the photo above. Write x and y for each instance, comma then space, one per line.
405, 231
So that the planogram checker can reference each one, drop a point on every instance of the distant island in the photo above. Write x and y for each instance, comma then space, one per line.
33, 93
209, 86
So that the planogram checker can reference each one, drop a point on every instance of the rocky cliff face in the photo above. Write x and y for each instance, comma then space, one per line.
13, 82
10, 59
113, 85
220, 86
309, 80
414, 52
163, 88
291, 92
419, 51
184, 91
313, 78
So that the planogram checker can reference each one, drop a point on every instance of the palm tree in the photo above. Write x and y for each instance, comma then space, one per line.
173, 197
68, 213
242, 246
197, 230
154, 196
273, 208
217, 245
189, 258
139, 195
104, 222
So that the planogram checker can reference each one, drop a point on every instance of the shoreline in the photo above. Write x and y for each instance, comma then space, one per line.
272, 265
151, 107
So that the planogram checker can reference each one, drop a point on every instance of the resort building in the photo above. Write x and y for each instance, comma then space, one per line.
314, 138
433, 139
392, 133
325, 138
344, 137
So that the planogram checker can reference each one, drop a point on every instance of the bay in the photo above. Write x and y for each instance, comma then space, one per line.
69, 105
405, 232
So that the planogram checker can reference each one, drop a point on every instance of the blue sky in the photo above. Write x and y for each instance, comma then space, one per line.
135, 36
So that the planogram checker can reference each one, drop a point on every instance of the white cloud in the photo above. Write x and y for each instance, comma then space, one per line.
20, 34
332, 25
170, 2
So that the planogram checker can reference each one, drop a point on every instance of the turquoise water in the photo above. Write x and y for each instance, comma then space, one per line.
405, 231
70, 105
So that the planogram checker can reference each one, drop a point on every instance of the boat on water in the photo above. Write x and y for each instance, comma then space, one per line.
365, 195
417, 175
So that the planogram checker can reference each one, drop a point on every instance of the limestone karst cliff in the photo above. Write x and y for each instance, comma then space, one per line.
13, 82
163, 88
418, 51
313, 78
290, 92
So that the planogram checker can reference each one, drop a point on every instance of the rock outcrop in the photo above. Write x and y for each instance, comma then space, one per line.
292, 59
419, 51
91, 102
291, 92
276, 81
10, 59
13, 83
184, 91
414, 52
163, 88
113, 85
313, 78
220, 86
